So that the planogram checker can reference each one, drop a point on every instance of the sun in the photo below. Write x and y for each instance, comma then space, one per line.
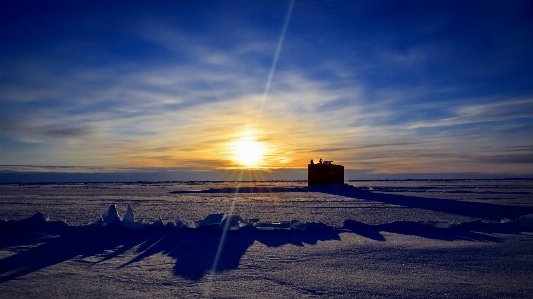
248, 152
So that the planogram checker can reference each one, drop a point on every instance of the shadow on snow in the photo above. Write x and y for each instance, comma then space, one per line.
193, 249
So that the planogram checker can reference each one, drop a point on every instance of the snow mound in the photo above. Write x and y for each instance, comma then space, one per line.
37, 221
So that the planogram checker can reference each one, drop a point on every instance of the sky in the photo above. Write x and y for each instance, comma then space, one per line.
381, 87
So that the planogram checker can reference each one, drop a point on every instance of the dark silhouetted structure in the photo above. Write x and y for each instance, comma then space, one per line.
325, 173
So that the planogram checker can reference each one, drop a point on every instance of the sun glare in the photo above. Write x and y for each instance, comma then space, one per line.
248, 152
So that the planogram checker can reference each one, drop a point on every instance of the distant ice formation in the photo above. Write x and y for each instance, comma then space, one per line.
221, 221
38, 220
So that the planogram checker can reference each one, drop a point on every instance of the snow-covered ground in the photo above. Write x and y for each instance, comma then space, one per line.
388, 239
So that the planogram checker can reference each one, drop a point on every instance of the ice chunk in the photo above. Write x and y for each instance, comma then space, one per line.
97, 222
37, 218
179, 223
140, 225
235, 222
129, 218
112, 215
211, 221
525, 221
273, 226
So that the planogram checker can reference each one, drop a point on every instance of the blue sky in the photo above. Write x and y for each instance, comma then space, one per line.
378, 86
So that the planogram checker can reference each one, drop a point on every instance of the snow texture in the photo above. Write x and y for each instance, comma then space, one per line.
388, 240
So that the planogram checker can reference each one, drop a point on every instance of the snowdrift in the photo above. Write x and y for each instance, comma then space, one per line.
220, 221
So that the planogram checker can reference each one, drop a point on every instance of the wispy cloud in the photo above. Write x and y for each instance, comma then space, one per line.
508, 109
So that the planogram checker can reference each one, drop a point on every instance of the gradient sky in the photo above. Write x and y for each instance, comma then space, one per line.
379, 86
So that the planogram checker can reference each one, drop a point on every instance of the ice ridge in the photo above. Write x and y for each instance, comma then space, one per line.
221, 221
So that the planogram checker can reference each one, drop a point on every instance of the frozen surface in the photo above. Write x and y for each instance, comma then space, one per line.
426, 239
374, 202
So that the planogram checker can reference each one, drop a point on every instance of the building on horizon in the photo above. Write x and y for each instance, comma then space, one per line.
324, 173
